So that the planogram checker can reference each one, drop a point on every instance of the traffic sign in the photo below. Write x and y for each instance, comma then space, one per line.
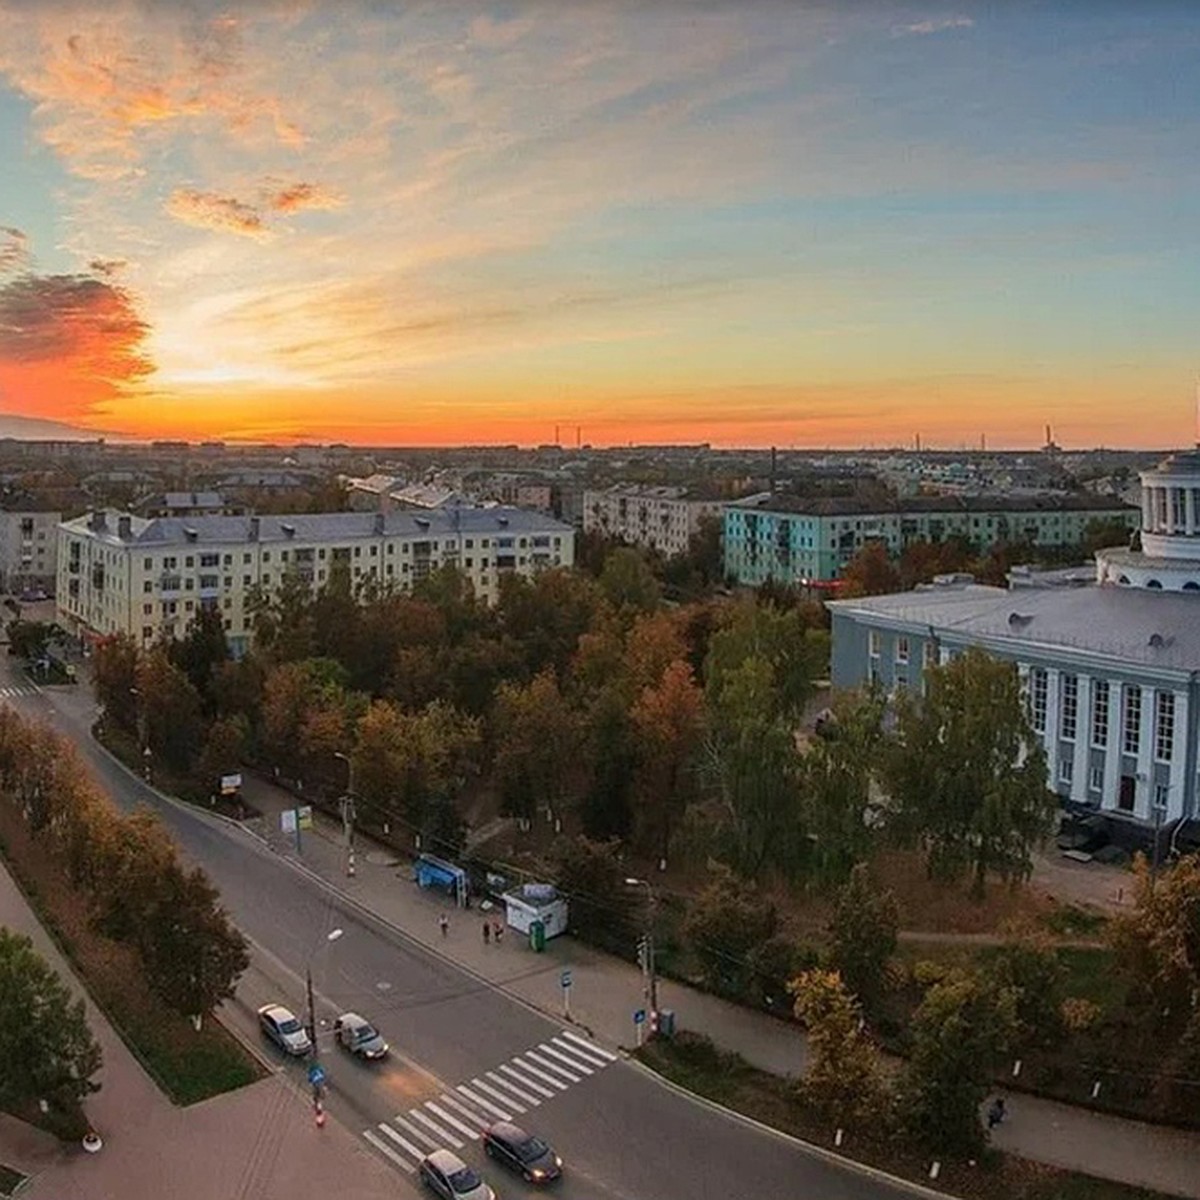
316, 1074
566, 979
639, 1016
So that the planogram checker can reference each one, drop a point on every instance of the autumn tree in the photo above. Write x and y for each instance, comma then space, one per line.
302, 700
1028, 966
224, 746
961, 1031
862, 936
547, 615
606, 801
654, 643
536, 753
114, 674
843, 1080
45, 1044
968, 773
603, 909
629, 583
668, 722
282, 620
726, 923
870, 572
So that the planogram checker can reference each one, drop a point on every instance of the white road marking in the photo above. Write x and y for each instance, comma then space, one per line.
384, 1148
439, 1112
501, 1096
574, 1063
418, 1115
551, 1066
588, 1056
417, 1154
512, 1087
591, 1047
480, 1122
486, 1105
419, 1134
526, 1066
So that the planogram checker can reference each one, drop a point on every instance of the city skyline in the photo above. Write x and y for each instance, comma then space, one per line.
738, 224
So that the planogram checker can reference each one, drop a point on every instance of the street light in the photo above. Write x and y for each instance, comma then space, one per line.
314, 1073
348, 813
646, 951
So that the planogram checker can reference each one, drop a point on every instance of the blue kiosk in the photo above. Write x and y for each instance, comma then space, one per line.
433, 872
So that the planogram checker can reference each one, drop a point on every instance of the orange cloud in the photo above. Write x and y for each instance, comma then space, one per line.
297, 196
207, 210
68, 345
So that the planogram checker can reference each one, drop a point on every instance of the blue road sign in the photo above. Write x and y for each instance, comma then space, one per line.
316, 1074
566, 979
639, 1016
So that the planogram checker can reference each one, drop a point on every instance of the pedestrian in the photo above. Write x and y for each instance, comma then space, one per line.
996, 1113
444, 924
497, 932
487, 933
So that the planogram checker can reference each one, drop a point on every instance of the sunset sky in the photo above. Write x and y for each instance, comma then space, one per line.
745, 223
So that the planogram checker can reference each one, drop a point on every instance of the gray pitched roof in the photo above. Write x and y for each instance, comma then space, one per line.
1156, 629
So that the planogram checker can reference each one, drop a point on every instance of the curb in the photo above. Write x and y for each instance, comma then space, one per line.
810, 1148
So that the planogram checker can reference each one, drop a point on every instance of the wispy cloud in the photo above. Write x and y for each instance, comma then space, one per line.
207, 210
294, 197
14, 250
932, 25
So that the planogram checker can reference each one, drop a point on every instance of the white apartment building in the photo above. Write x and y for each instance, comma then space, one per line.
119, 573
660, 518
28, 550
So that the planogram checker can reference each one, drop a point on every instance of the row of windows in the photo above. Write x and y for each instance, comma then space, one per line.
1131, 714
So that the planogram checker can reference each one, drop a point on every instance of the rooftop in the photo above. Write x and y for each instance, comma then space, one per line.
1151, 628
834, 506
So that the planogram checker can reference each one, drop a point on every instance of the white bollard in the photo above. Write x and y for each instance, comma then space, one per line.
935, 1170
837, 1137
92, 1142
1095, 1089
1016, 1068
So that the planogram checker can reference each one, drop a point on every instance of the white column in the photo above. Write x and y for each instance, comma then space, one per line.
1147, 509
1144, 799
1112, 754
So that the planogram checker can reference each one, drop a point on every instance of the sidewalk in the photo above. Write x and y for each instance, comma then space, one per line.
606, 992
259, 1143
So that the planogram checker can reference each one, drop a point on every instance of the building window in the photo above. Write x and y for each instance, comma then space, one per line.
1066, 770
1131, 738
902, 650
1037, 698
1096, 779
873, 643
1069, 708
929, 654
1164, 726
1162, 793
1100, 713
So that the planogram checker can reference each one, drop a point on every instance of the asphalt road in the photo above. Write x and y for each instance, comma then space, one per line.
623, 1134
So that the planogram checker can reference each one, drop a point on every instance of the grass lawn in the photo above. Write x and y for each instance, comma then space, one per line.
697, 1065
10, 1180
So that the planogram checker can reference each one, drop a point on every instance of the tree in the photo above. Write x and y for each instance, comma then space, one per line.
601, 905
960, 1032
843, 1080
668, 720
114, 673
654, 643
1028, 966
223, 750
870, 572
30, 639
170, 711
605, 806
536, 757
45, 1044
547, 615
968, 774
300, 698
629, 583
837, 774
862, 936
282, 619
200, 653
726, 923
192, 954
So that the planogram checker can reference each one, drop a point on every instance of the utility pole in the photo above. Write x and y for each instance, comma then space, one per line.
646, 959
316, 1076
348, 813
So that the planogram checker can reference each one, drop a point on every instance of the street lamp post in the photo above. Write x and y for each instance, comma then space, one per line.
348, 813
646, 952
314, 1047
143, 733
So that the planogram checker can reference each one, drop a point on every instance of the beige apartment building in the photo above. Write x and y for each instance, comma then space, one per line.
147, 577
28, 546
659, 518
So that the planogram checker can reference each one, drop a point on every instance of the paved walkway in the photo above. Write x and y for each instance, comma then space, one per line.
259, 1143
606, 991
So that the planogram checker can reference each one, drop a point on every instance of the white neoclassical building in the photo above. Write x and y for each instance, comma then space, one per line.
1111, 669
119, 573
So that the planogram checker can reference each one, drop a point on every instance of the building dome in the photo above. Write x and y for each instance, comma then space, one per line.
1170, 555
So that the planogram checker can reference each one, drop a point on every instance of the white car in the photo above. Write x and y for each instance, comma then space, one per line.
282, 1027
447, 1175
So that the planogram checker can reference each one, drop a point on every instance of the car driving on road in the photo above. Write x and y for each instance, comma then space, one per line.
357, 1035
281, 1026
519, 1151
447, 1175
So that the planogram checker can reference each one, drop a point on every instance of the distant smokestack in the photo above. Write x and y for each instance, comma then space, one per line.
774, 462
557, 439
578, 436
918, 442
1048, 438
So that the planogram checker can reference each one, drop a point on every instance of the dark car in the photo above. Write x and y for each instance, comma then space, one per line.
1083, 834
519, 1151
357, 1035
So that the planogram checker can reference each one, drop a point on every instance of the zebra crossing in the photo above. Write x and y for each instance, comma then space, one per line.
461, 1113
21, 689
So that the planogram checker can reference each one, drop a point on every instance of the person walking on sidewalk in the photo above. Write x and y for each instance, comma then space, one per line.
996, 1113
444, 924
487, 932
497, 932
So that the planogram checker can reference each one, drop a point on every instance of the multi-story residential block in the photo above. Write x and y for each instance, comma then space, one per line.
660, 518
119, 573
187, 504
792, 539
1111, 671
28, 550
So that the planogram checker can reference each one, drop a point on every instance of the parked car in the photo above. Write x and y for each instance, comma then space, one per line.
1083, 834
281, 1026
519, 1151
357, 1035
447, 1175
